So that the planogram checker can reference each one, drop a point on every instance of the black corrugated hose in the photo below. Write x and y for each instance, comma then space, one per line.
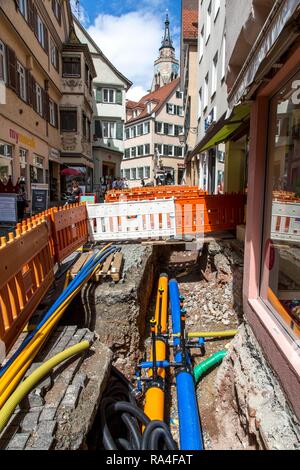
122, 420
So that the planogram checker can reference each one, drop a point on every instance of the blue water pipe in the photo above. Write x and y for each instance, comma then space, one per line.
189, 422
149, 365
76, 282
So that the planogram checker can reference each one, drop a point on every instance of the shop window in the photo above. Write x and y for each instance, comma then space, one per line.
71, 67
23, 164
280, 288
37, 170
5, 162
68, 121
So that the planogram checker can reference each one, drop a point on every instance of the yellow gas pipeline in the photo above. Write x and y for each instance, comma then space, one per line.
155, 396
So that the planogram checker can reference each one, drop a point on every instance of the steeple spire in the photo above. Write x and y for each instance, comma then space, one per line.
167, 41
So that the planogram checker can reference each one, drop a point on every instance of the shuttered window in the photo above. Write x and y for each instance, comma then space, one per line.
21, 82
3, 71
52, 116
54, 56
120, 131
39, 99
56, 8
11, 68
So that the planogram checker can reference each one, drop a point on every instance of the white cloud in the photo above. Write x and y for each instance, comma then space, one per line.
135, 93
131, 42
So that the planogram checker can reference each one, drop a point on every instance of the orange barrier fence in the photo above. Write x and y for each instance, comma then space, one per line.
26, 274
209, 213
67, 229
153, 192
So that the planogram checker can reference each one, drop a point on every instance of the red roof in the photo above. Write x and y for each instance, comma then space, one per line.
190, 23
131, 104
159, 97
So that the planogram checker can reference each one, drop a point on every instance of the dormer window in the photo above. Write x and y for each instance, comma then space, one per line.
149, 108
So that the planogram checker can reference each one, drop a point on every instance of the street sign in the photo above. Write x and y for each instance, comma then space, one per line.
39, 198
8, 208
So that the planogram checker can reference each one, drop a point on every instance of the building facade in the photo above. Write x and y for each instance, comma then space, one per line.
153, 152
109, 105
212, 93
189, 74
46, 104
264, 71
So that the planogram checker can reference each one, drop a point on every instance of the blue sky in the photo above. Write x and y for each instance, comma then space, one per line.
129, 32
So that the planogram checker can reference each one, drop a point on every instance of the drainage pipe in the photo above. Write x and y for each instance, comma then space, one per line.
208, 364
189, 421
155, 394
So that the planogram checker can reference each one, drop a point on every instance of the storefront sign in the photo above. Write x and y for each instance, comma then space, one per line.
22, 139
39, 198
54, 155
8, 208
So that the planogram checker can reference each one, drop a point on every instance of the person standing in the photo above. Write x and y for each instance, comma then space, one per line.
76, 191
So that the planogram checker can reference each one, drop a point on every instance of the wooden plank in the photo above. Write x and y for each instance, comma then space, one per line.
116, 267
82, 260
103, 272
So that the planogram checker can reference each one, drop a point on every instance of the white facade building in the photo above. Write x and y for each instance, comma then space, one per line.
110, 88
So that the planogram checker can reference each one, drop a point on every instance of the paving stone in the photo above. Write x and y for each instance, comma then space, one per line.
30, 421
72, 396
80, 379
48, 413
19, 441
33, 400
46, 428
44, 386
43, 442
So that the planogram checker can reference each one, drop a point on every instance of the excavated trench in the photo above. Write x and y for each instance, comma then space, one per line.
210, 280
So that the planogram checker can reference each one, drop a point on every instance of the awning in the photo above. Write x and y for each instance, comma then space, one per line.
279, 28
223, 129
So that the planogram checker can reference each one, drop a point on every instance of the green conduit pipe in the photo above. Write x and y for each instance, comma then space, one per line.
28, 384
209, 363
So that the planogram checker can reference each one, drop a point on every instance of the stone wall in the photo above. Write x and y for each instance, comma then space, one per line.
252, 407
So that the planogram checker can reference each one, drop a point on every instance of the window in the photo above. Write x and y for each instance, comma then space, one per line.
133, 173
84, 118
127, 134
52, 113
170, 129
6, 169
23, 164
158, 127
109, 130
178, 151
133, 131
3, 71
109, 95
127, 173
139, 129
127, 153
54, 56
208, 23
214, 75
217, 8
21, 81
133, 152
98, 129
146, 127
23, 8
68, 120
37, 170
71, 66
205, 97
147, 172
170, 108
56, 8
179, 95
179, 110
140, 173
40, 31
166, 128
168, 150
280, 277
201, 46
178, 130
147, 149
223, 58
39, 99
140, 150
158, 148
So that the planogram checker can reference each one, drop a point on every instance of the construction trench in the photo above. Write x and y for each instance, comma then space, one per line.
237, 396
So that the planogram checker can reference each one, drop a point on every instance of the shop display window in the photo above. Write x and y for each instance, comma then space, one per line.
280, 281
6, 170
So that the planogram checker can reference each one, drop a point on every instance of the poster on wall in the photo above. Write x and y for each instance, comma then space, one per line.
8, 208
39, 198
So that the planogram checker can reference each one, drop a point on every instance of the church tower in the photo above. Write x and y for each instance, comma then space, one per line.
166, 67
